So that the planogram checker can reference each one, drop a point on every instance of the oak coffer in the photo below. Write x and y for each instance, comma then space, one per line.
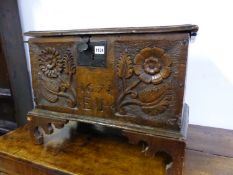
132, 79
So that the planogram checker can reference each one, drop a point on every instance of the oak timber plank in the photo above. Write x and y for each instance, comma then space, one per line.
45, 161
200, 163
16, 166
210, 140
123, 30
82, 155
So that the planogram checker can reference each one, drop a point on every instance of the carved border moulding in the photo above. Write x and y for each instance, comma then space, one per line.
55, 77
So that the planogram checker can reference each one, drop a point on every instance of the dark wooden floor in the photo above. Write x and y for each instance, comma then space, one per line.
209, 151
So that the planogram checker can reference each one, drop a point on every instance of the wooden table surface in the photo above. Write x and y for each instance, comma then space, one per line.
209, 152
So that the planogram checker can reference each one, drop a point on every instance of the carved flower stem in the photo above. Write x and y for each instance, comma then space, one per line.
125, 92
123, 84
139, 103
62, 94
70, 82
63, 81
73, 91
72, 102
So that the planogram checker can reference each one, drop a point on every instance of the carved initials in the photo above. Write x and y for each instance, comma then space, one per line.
94, 103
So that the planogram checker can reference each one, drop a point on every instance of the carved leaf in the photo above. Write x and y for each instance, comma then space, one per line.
70, 67
49, 90
124, 67
48, 96
151, 94
158, 108
51, 85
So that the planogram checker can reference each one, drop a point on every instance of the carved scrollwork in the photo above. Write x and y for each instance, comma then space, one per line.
56, 74
41, 126
171, 150
151, 66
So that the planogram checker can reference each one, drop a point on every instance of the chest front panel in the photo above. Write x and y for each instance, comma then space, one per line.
136, 79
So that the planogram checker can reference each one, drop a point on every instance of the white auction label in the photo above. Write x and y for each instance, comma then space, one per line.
99, 49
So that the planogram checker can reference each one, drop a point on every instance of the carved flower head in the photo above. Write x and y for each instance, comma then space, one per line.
51, 63
152, 65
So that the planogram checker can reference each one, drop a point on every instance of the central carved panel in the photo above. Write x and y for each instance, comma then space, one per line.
95, 91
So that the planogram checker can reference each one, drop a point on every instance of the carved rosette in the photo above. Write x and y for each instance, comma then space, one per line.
56, 76
51, 63
150, 67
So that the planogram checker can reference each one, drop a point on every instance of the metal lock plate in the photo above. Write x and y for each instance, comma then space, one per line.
92, 54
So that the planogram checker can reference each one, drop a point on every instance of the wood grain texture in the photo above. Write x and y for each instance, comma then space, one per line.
84, 155
126, 30
210, 140
17, 155
174, 150
202, 163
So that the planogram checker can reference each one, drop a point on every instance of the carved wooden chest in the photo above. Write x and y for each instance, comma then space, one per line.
127, 78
